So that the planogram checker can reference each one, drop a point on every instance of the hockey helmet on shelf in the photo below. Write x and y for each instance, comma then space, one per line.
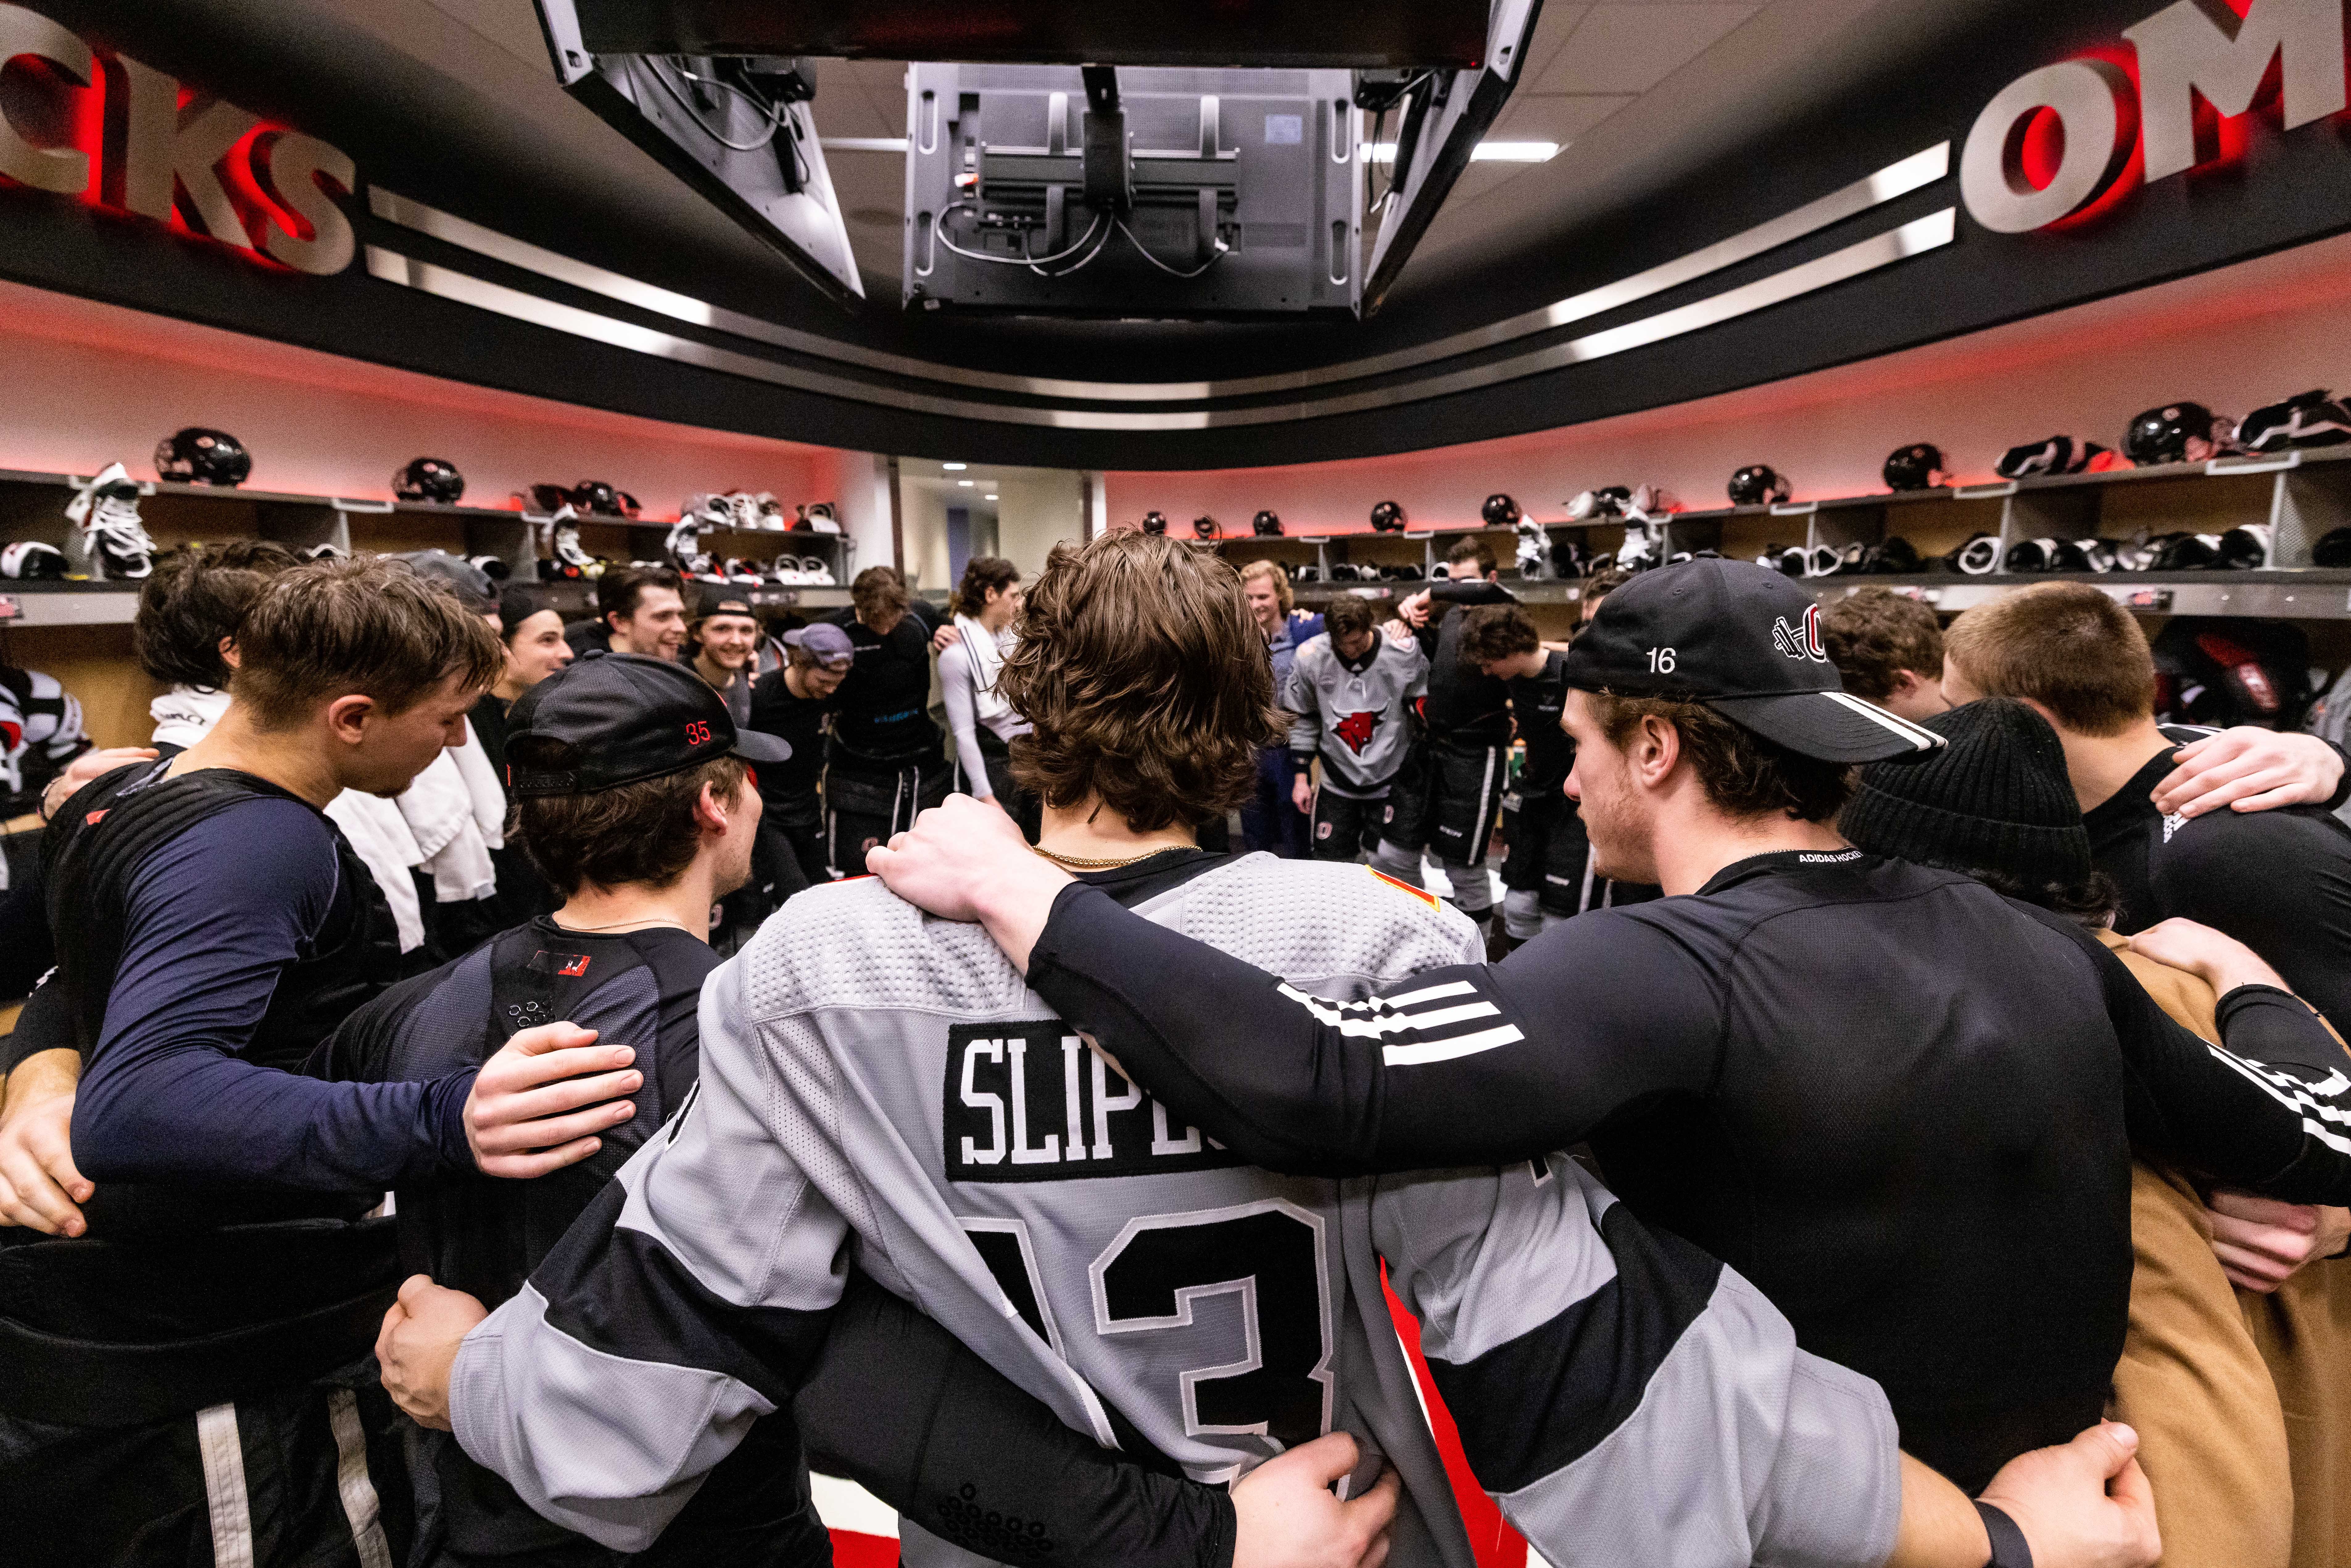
1388, 517
1759, 484
1499, 511
2177, 432
1204, 526
1155, 522
1918, 466
429, 479
1266, 524
199, 456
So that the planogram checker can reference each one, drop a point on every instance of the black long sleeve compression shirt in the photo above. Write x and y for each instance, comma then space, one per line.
1900, 1103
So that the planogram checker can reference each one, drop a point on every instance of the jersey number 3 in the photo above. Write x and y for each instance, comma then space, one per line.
1271, 1255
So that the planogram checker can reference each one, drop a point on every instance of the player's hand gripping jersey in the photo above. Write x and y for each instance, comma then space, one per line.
875, 1079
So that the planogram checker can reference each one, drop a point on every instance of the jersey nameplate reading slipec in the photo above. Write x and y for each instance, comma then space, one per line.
1029, 1101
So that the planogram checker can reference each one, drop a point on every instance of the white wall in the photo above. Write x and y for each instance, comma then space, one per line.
862, 480
1035, 513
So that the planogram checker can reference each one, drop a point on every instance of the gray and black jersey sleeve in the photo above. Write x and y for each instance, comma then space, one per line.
707, 1287
1623, 1396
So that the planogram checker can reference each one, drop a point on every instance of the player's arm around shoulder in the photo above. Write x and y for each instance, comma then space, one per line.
1621, 1395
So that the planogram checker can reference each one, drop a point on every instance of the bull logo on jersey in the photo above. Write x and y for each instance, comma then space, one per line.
1802, 642
1356, 729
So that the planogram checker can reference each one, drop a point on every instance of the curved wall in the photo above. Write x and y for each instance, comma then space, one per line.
2233, 339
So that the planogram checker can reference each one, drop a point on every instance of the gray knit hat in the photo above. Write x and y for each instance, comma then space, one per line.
1996, 798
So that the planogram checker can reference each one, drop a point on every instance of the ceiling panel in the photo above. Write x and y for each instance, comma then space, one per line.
1620, 47
1554, 116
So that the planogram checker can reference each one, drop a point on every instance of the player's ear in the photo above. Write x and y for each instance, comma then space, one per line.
1655, 749
710, 812
347, 717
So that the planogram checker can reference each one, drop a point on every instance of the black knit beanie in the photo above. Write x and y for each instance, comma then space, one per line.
1996, 798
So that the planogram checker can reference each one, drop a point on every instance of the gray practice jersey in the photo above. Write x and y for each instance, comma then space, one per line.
1355, 718
880, 1085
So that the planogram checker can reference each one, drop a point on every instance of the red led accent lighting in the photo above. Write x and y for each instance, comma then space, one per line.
2133, 175
2038, 142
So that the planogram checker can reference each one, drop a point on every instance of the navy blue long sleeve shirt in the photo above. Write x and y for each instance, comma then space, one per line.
215, 916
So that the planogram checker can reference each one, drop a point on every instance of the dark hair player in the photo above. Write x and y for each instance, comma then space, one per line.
886, 759
1549, 873
1757, 1060
796, 704
183, 1349
1448, 802
631, 780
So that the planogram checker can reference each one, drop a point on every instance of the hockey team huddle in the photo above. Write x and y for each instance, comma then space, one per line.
1762, 1193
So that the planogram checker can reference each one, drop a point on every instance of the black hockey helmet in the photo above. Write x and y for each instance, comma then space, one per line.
1155, 522
1918, 466
1388, 517
547, 499
593, 497
1204, 526
429, 479
1500, 512
1757, 485
2177, 432
1266, 524
199, 456
2310, 419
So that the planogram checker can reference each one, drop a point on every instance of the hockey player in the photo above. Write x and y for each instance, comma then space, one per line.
635, 799
880, 1086
1550, 872
1350, 699
885, 760
1754, 1058
183, 1355
1447, 806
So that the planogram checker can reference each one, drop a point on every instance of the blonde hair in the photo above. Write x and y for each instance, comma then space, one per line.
1280, 578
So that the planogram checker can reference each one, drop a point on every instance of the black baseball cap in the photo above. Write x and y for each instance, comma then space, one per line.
1746, 642
628, 718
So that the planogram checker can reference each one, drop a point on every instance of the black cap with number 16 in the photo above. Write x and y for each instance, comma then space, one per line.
1746, 642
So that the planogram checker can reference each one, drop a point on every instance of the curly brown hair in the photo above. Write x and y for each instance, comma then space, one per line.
981, 573
195, 597
1146, 679
1744, 776
1494, 631
1875, 634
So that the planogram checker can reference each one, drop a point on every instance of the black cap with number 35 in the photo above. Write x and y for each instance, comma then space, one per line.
1746, 642
626, 718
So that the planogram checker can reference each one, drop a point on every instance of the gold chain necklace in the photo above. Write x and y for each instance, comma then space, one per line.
1079, 862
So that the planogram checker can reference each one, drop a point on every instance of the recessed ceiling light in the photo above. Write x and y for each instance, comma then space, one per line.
965, 483
989, 497
1484, 152
955, 467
